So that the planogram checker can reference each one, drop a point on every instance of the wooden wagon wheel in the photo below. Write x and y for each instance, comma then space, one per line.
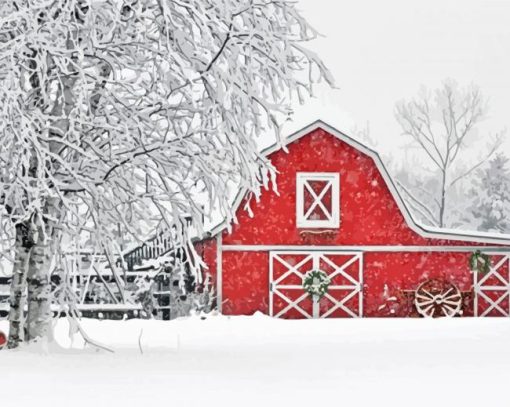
437, 298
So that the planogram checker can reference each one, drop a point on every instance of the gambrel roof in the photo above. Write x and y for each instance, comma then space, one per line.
420, 229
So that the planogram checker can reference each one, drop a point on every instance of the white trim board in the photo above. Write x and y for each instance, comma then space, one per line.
350, 249
424, 231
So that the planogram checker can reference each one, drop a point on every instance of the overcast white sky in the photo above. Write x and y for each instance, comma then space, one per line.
382, 51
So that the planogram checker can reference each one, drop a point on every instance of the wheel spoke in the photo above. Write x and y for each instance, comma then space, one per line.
428, 293
426, 302
448, 292
422, 297
453, 311
451, 297
427, 309
447, 306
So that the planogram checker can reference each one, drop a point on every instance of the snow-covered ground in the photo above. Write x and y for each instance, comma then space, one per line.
258, 361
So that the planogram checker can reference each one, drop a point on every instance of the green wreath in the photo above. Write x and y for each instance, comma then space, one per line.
480, 262
316, 283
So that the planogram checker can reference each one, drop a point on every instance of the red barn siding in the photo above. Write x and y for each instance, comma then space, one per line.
403, 271
207, 250
245, 283
369, 216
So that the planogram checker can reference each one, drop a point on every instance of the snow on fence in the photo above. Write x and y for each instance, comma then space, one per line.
151, 291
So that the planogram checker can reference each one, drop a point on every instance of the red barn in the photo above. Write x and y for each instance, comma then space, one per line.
338, 224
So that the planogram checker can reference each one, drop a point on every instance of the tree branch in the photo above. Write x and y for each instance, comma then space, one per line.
425, 211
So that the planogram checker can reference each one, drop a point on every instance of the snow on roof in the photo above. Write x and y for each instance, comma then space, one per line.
416, 226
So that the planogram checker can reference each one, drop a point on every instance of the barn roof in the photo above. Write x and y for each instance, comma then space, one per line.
416, 226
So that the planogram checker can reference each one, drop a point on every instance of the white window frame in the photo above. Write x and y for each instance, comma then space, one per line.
333, 180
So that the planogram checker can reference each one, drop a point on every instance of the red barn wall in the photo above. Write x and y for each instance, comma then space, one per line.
245, 283
369, 216
403, 271
207, 250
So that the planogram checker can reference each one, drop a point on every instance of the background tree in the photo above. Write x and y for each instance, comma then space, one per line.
126, 114
442, 125
491, 191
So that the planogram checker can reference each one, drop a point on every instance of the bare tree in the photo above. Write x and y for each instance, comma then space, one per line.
364, 134
123, 112
442, 124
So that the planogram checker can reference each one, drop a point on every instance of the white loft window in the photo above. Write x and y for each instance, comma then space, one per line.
318, 200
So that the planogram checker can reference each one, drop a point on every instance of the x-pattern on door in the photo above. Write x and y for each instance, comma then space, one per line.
492, 290
288, 298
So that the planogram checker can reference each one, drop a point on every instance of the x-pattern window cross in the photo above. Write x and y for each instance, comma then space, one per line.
318, 200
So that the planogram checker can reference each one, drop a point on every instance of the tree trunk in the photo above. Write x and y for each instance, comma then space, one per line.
17, 300
442, 207
39, 291
39, 314
39, 278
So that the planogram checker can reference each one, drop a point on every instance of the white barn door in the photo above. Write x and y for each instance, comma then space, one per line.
288, 299
492, 290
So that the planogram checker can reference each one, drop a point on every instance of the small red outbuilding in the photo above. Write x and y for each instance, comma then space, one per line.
3, 340
338, 223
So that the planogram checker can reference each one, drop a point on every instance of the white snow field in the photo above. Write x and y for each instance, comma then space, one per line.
259, 361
